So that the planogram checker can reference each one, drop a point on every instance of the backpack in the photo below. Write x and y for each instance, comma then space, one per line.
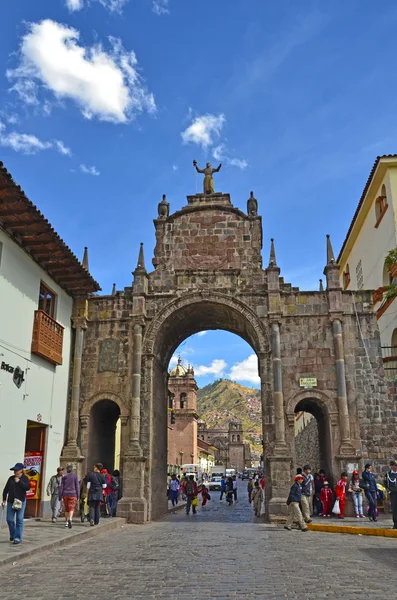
114, 484
190, 488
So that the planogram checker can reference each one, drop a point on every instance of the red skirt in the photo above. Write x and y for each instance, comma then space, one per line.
69, 503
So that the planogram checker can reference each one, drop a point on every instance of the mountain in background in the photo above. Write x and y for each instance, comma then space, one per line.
222, 401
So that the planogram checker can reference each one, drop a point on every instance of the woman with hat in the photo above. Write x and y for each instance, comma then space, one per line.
14, 496
294, 498
357, 494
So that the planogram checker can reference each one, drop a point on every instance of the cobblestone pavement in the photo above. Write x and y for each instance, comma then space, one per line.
220, 553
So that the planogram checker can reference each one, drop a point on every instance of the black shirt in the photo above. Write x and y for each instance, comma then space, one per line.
16, 490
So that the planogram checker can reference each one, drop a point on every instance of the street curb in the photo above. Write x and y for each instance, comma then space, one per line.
76, 538
378, 531
179, 506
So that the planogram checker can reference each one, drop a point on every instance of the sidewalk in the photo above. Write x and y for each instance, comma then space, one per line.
352, 525
42, 536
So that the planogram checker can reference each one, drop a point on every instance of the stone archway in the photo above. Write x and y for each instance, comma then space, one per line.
177, 321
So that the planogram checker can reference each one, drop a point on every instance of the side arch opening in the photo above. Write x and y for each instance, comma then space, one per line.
104, 435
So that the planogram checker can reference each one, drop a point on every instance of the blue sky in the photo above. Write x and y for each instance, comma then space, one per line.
104, 104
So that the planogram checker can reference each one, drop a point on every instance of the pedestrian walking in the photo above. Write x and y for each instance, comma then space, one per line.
250, 487
229, 491
391, 486
84, 509
357, 494
371, 491
96, 483
294, 512
205, 495
257, 499
174, 489
53, 491
223, 488
191, 491
14, 497
69, 492
306, 499
113, 492
340, 493
326, 500
235, 488
318, 486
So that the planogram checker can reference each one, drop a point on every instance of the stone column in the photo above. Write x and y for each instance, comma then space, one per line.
71, 450
278, 398
344, 422
135, 413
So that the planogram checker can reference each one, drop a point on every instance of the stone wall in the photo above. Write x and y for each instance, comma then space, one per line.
307, 450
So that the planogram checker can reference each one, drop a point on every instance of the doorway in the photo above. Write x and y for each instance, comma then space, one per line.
104, 435
35, 446
313, 437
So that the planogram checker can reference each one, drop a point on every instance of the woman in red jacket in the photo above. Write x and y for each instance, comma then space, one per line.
340, 492
326, 499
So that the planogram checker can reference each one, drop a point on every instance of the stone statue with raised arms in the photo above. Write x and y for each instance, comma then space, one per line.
208, 179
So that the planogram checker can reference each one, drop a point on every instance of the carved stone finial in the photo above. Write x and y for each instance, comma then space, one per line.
85, 259
272, 258
163, 208
114, 290
252, 206
321, 285
141, 260
330, 252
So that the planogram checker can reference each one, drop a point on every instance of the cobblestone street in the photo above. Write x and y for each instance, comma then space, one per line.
219, 553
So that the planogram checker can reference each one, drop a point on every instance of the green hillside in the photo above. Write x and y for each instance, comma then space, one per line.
224, 400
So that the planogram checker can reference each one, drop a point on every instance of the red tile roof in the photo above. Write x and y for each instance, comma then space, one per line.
28, 227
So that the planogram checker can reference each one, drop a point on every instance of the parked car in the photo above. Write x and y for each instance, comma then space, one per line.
215, 483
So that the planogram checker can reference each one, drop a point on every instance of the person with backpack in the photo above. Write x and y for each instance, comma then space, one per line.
294, 498
96, 484
191, 491
113, 489
391, 486
223, 488
368, 483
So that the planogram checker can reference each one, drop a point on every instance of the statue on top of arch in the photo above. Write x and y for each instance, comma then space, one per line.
208, 185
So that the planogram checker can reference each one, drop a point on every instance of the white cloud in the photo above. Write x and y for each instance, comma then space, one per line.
174, 167
89, 170
60, 146
103, 84
220, 153
110, 5
246, 370
74, 5
216, 368
201, 333
173, 361
160, 7
203, 130
28, 143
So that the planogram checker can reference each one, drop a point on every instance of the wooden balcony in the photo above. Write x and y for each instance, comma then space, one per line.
47, 339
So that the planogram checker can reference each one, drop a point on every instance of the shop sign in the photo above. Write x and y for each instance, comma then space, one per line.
33, 462
17, 373
308, 382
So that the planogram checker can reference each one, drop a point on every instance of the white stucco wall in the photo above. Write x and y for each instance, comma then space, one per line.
44, 390
371, 247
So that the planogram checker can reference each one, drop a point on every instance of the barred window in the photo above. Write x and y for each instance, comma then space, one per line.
359, 275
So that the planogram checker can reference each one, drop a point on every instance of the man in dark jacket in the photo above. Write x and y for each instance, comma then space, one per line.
307, 489
293, 501
96, 483
14, 495
391, 485
371, 491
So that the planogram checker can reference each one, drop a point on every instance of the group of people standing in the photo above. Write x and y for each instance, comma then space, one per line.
97, 488
310, 493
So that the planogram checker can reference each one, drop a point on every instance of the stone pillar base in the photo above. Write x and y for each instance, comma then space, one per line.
279, 472
133, 505
72, 455
133, 509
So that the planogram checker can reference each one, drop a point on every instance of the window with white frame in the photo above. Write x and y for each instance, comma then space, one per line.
359, 275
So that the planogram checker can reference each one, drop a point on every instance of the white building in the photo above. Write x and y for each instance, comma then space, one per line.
372, 234
39, 279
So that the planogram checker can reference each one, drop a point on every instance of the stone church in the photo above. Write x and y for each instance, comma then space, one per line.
208, 274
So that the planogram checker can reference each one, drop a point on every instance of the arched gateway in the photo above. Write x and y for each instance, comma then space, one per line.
208, 275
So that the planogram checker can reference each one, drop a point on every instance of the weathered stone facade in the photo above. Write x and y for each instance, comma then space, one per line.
307, 447
208, 275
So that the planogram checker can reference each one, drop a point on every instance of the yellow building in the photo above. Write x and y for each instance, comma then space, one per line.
371, 235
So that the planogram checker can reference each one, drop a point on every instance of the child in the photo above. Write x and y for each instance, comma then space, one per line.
318, 486
257, 499
250, 487
340, 492
205, 495
357, 494
326, 499
294, 512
